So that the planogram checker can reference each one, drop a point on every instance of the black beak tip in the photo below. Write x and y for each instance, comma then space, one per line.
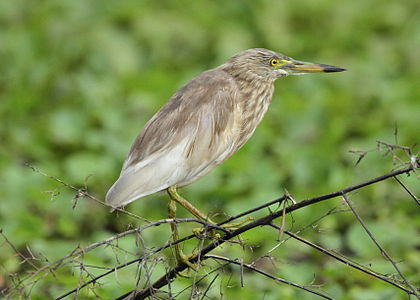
329, 69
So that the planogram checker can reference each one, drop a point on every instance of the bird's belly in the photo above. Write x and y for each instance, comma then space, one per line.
209, 150
197, 171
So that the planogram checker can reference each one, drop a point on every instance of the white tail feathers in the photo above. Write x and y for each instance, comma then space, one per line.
156, 173
131, 186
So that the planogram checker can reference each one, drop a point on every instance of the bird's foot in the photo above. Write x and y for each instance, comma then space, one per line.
181, 258
203, 232
236, 225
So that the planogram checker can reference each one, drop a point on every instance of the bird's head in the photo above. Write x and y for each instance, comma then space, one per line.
270, 65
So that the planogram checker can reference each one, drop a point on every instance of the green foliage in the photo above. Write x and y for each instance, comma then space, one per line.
80, 78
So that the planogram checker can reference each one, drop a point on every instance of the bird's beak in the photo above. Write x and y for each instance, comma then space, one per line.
296, 67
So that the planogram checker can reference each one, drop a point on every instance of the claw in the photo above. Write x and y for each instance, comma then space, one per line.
234, 226
201, 233
185, 259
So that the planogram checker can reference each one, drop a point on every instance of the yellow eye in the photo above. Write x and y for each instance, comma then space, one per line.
274, 62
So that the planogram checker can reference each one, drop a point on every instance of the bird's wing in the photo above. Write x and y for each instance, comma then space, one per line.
187, 137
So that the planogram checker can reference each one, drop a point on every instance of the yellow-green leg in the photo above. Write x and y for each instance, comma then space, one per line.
179, 255
176, 198
172, 191
173, 194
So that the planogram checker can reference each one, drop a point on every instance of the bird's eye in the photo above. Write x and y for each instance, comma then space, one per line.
274, 62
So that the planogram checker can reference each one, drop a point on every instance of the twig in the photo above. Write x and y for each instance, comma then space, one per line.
328, 213
407, 190
361, 153
395, 146
342, 260
252, 268
391, 147
383, 251
209, 286
199, 280
80, 193
280, 200
142, 294
109, 240
25, 259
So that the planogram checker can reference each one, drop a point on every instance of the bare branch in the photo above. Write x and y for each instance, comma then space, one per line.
150, 287
383, 251
392, 147
209, 286
202, 278
80, 193
362, 154
407, 190
343, 260
81, 251
278, 279
142, 294
25, 259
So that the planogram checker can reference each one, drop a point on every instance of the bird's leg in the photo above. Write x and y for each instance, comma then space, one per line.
173, 194
176, 198
179, 255
172, 191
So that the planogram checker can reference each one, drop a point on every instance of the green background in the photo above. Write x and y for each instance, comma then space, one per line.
79, 79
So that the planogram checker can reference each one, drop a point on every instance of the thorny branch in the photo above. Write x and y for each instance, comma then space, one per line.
252, 268
267, 220
80, 251
415, 198
383, 251
203, 253
82, 192
342, 260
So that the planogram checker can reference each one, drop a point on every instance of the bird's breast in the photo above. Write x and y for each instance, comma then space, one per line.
251, 110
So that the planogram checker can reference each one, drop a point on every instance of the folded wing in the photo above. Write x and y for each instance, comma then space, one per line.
183, 141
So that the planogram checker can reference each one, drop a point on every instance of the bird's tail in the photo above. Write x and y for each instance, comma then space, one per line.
118, 195
131, 186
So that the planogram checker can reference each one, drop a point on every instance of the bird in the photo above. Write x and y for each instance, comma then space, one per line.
204, 123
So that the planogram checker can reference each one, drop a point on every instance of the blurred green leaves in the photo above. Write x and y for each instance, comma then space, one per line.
79, 79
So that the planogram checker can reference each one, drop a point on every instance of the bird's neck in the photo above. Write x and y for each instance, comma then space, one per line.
255, 97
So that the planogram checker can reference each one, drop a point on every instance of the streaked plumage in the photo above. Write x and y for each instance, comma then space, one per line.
203, 124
